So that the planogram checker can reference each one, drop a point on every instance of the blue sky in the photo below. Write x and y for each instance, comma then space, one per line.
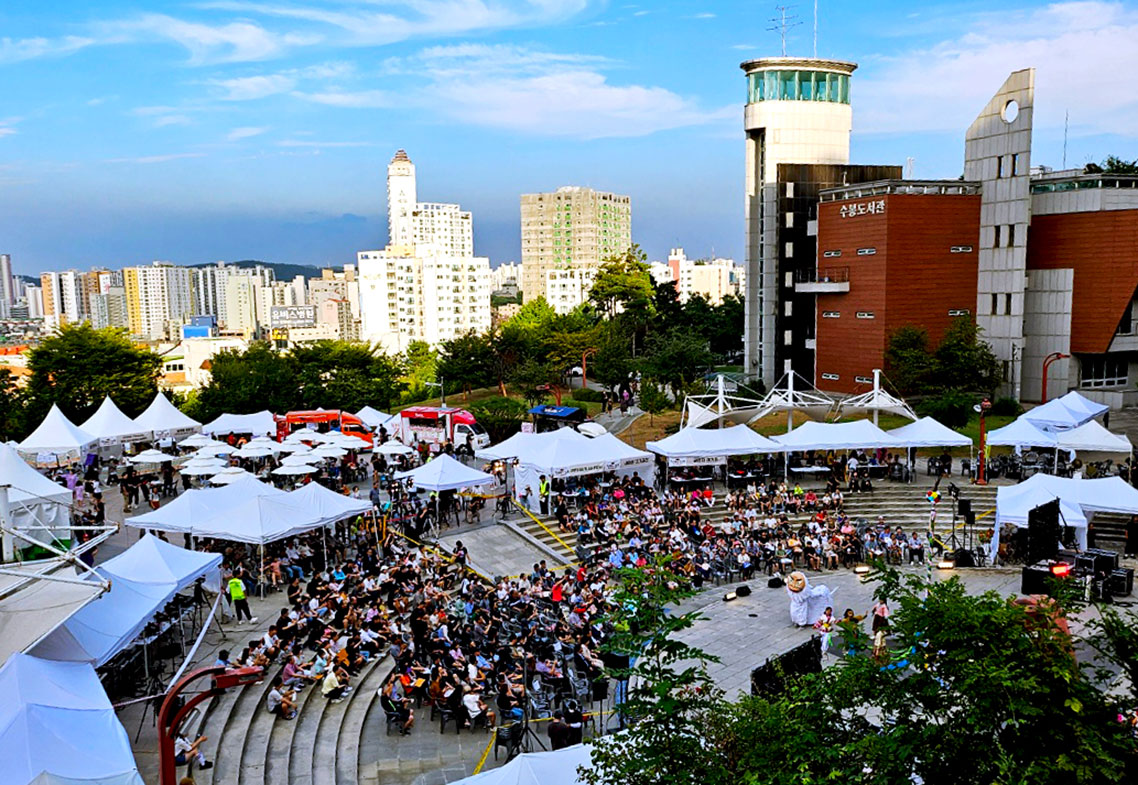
229, 129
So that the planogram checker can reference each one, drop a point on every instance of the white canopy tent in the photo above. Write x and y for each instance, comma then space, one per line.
35, 503
855, 435
231, 474
1091, 436
692, 446
257, 424
201, 504
556, 767
328, 505
144, 578
373, 418
57, 727
1078, 499
260, 520
563, 457
110, 426
522, 443
1067, 411
1020, 433
164, 420
1082, 405
57, 439
927, 432
444, 473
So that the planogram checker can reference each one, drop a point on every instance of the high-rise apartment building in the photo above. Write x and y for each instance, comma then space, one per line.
446, 228
332, 285
567, 288
573, 227
712, 279
49, 299
158, 297
797, 122
7, 286
33, 296
406, 296
243, 304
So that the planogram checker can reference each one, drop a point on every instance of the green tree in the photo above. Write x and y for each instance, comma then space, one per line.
467, 362
533, 315
909, 361
78, 366
624, 283
420, 365
666, 307
964, 360
501, 417
531, 378
346, 375
653, 400
11, 408
676, 358
613, 361
1113, 165
249, 381
670, 694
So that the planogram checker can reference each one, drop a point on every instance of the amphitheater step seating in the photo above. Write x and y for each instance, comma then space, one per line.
1110, 531
537, 532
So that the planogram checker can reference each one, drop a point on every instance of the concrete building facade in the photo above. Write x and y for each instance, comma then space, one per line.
158, 299
572, 227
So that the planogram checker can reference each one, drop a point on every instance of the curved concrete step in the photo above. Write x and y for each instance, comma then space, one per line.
355, 719
283, 736
304, 739
255, 749
231, 740
330, 729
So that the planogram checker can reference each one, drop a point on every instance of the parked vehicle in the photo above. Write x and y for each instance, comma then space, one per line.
323, 420
438, 424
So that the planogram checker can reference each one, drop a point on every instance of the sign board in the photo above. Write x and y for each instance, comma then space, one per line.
285, 316
873, 207
697, 460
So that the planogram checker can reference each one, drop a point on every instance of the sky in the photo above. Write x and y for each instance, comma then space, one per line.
231, 129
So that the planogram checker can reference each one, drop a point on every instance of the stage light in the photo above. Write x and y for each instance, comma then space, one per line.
861, 569
1060, 569
729, 596
946, 565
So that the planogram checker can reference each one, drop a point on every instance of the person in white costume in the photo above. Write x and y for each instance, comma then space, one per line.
806, 602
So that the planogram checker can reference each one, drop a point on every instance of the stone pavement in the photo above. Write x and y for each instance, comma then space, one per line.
497, 550
743, 633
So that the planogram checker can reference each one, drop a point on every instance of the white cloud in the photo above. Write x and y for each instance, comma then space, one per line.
156, 159
171, 119
245, 132
232, 42
312, 143
249, 88
363, 99
705, 15
1082, 53
6, 130
15, 50
548, 94
8, 126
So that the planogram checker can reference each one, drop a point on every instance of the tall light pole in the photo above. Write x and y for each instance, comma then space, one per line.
585, 355
982, 463
1047, 364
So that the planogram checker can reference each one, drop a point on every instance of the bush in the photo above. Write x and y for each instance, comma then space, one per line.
953, 408
501, 417
1006, 407
588, 396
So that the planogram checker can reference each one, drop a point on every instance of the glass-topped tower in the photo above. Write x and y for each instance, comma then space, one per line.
797, 121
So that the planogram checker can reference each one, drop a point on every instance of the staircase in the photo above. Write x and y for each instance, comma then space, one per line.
532, 530
907, 506
319, 747
1109, 531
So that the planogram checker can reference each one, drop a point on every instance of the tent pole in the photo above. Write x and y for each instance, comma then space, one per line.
261, 577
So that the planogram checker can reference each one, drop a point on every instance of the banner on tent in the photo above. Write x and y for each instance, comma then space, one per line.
575, 471
698, 460
643, 460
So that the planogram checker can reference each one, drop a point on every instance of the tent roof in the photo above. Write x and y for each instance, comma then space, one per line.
260, 520
1082, 405
108, 422
713, 442
58, 726
35, 608
444, 473
1021, 432
1091, 436
161, 415
1107, 494
556, 767
859, 434
143, 579
373, 418
26, 484
927, 432
57, 434
1067, 411
328, 504
520, 443
257, 424
197, 505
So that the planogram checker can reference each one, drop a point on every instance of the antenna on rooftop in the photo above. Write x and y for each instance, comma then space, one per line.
783, 23
1066, 117
815, 29
909, 162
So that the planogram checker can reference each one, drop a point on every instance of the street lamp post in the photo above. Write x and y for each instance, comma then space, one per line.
1047, 364
982, 462
585, 355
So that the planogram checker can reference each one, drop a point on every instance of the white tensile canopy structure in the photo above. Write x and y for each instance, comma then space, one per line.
791, 398
110, 426
876, 401
692, 446
144, 578
1079, 500
927, 432
856, 435
57, 439
1020, 433
1067, 411
719, 406
373, 418
37, 598
164, 420
57, 726
556, 767
257, 424
36, 505
444, 473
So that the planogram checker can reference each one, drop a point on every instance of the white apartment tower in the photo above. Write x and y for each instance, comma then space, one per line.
7, 286
571, 228
157, 298
445, 227
401, 200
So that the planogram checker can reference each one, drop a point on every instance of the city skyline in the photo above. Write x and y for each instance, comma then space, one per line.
262, 130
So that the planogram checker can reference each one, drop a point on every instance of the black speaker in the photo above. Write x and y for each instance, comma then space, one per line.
1034, 579
1121, 582
775, 675
1043, 532
1105, 561
743, 591
964, 507
964, 558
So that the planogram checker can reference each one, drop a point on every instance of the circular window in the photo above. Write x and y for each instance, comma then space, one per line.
1011, 112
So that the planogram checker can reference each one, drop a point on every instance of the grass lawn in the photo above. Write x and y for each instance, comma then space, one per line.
647, 428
